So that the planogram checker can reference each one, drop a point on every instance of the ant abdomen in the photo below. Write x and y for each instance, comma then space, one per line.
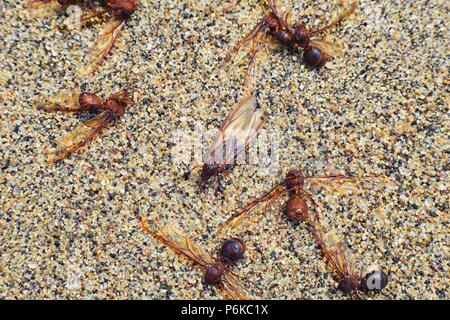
296, 209
214, 273
374, 281
232, 250
314, 58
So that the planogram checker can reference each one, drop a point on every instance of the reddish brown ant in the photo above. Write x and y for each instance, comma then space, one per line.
235, 135
337, 257
216, 273
109, 110
316, 52
121, 10
296, 208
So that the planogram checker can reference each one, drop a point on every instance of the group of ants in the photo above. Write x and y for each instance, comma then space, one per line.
300, 206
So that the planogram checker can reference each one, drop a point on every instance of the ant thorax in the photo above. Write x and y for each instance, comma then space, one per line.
293, 180
301, 36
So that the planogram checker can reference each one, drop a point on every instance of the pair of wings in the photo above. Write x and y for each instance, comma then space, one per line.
83, 134
103, 44
170, 236
237, 132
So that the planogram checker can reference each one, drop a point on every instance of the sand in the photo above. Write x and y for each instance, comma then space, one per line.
71, 229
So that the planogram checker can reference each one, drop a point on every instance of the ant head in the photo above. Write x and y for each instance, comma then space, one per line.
208, 170
214, 273
314, 57
301, 36
65, 2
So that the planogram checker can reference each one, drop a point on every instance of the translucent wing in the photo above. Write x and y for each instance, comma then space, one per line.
232, 287
43, 8
268, 198
66, 100
340, 183
329, 48
237, 132
36, 3
172, 238
103, 45
82, 135
335, 253
341, 17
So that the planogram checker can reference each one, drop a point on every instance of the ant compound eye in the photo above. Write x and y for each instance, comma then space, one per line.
232, 250
375, 280
312, 57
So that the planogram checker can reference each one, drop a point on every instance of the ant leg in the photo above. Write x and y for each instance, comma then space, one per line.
248, 37
344, 15
251, 66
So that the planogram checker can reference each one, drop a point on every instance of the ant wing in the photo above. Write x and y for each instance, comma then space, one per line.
43, 8
35, 3
66, 100
339, 183
82, 135
331, 49
232, 287
103, 45
237, 132
172, 238
336, 254
268, 198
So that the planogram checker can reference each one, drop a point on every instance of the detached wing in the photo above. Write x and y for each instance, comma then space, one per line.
82, 135
103, 45
66, 100
237, 132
